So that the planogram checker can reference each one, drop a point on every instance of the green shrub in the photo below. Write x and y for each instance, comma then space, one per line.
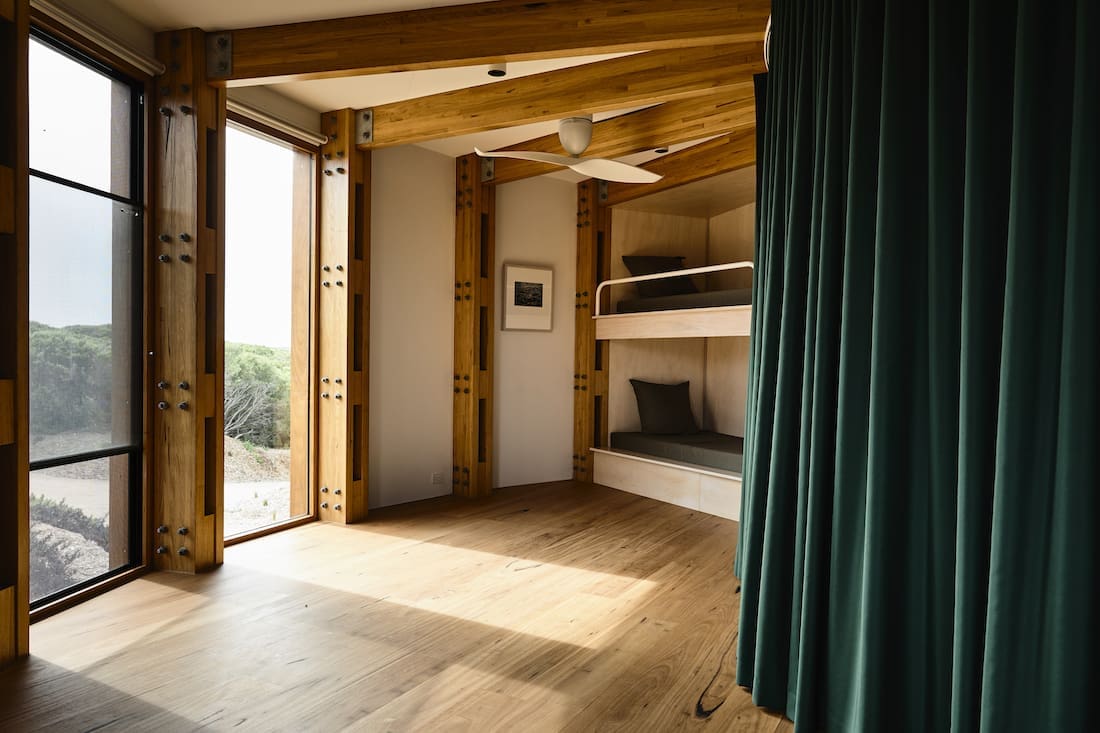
59, 514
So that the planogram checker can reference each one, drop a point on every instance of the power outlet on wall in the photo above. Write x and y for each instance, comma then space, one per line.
437, 477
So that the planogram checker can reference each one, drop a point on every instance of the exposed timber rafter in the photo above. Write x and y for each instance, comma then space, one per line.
667, 124
480, 33
721, 155
631, 81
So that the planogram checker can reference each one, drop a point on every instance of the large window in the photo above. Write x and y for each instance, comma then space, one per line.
85, 330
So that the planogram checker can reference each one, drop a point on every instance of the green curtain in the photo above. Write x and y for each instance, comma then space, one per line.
918, 546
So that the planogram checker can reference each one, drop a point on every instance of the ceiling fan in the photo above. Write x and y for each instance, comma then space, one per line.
575, 133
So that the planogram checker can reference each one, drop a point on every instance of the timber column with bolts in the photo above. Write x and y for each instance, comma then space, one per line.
188, 250
14, 408
475, 278
343, 322
590, 361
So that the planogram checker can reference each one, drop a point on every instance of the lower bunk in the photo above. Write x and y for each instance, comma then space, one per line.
699, 471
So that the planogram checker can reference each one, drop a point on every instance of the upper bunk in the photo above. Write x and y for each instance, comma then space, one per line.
712, 313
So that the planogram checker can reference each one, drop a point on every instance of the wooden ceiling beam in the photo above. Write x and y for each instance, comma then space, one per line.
727, 153
480, 33
666, 124
631, 81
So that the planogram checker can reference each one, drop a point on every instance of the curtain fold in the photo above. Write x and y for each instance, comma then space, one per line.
919, 518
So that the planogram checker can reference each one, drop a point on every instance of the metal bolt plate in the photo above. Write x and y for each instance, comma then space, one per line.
219, 55
364, 125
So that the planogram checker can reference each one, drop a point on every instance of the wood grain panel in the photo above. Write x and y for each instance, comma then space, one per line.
663, 361
8, 418
707, 490
8, 618
343, 301
188, 136
470, 34
647, 478
565, 606
666, 124
591, 360
7, 10
475, 277
720, 496
727, 384
646, 233
733, 320
14, 253
630, 81
303, 335
727, 153
7, 200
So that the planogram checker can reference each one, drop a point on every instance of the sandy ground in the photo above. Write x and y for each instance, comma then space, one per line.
253, 504
257, 489
248, 504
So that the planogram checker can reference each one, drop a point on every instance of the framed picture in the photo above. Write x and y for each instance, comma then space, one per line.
528, 298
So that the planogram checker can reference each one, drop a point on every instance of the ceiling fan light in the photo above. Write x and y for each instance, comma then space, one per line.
575, 133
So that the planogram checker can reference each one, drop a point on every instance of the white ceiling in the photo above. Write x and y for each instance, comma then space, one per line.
215, 15
368, 91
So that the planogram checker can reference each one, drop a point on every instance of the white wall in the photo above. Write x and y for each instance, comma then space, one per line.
533, 389
411, 322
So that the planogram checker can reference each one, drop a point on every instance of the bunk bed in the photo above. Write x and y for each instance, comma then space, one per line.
680, 464
679, 315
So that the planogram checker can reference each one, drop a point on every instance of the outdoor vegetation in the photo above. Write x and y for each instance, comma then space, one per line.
71, 411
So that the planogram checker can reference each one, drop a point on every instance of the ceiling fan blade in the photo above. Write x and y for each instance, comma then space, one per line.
602, 168
613, 170
529, 155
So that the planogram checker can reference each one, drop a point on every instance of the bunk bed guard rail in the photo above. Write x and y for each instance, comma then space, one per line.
664, 275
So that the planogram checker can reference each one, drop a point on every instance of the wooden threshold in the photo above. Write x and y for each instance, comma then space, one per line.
269, 529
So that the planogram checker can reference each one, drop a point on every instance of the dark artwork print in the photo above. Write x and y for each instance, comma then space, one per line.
528, 294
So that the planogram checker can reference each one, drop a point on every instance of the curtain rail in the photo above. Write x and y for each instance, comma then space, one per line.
276, 123
92, 32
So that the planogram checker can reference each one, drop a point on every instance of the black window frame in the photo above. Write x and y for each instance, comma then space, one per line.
135, 204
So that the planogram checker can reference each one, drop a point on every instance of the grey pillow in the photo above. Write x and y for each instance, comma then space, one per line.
665, 409
651, 265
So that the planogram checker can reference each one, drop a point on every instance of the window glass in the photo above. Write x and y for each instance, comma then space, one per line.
76, 533
81, 311
79, 122
85, 323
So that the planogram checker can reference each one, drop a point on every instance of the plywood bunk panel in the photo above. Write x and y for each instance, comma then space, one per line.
707, 490
732, 320
717, 321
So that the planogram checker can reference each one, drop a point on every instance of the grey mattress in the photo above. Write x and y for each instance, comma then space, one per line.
712, 299
713, 450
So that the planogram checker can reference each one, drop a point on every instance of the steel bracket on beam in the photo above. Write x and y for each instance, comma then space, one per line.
364, 126
219, 55
488, 170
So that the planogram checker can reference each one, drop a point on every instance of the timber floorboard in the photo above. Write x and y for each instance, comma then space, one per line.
555, 607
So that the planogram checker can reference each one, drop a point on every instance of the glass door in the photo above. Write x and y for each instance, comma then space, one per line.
267, 261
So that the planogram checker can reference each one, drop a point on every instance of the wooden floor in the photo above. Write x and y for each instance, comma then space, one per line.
554, 607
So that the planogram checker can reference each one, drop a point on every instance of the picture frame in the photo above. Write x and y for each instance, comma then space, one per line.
528, 298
